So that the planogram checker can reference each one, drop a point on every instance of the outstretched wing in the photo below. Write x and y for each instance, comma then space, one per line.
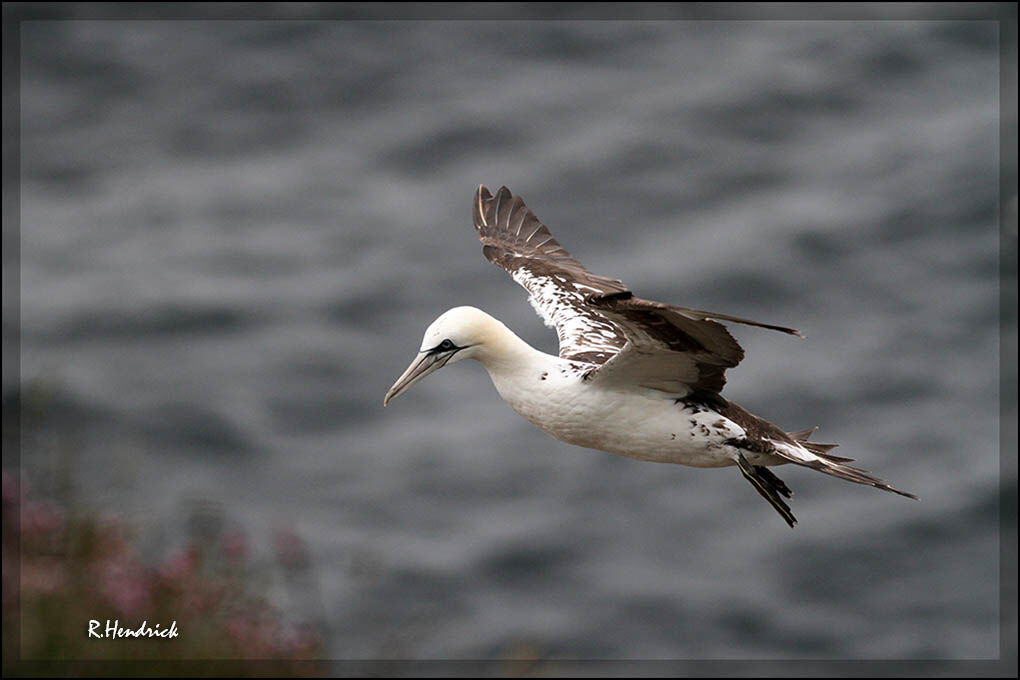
633, 341
513, 238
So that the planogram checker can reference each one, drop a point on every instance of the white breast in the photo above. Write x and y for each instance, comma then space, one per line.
646, 424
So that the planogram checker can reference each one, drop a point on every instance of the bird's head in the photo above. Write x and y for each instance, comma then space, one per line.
460, 333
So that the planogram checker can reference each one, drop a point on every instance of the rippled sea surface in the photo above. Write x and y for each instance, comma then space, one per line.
234, 233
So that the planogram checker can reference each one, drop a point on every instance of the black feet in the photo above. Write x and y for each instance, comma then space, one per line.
769, 486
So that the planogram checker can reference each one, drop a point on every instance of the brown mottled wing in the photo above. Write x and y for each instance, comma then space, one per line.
667, 351
671, 349
631, 341
513, 238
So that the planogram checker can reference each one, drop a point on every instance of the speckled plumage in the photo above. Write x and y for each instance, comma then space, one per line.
633, 377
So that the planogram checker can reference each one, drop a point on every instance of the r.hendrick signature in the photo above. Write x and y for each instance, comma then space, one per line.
114, 630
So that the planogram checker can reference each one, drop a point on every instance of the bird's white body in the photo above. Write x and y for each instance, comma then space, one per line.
638, 423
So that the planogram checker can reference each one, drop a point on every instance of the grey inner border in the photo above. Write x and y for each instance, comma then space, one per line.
1005, 13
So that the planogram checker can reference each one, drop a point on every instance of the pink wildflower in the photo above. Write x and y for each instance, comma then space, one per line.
179, 565
126, 586
41, 519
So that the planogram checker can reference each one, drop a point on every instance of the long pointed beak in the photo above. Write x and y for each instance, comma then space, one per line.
423, 364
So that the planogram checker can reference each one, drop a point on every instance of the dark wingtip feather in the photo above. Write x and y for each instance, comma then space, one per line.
702, 314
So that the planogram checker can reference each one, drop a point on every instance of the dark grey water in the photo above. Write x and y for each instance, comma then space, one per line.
234, 234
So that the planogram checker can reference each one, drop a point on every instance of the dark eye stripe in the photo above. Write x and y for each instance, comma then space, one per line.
445, 346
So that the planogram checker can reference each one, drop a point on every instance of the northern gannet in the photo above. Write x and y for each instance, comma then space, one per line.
633, 377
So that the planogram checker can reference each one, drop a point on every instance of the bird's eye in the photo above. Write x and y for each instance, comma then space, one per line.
446, 345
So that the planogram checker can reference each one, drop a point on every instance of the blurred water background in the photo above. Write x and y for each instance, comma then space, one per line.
233, 234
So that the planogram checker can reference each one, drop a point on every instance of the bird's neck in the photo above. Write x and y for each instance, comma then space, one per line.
520, 373
505, 355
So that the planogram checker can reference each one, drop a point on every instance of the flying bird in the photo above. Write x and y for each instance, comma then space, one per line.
633, 377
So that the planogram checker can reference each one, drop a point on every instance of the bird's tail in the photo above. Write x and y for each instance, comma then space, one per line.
819, 449
835, 465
